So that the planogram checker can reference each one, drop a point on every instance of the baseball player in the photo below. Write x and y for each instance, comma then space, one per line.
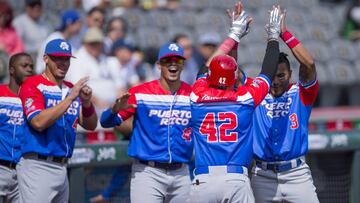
222, 119
280, 130
161, 139
53, 108
12, 125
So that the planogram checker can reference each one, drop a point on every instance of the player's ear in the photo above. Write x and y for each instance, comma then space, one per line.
158, 65
46, 59
11, 70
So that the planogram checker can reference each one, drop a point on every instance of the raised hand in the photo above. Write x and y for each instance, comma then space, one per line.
283, 24
240, 22
121, 103
78, 87
273, 28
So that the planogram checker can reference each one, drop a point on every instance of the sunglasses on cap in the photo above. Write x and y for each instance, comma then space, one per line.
170, 60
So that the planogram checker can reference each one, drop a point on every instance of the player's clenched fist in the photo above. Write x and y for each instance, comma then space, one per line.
85, 93
122, 103
78, 87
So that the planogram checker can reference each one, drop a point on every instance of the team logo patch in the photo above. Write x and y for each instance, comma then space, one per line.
28, 104
64, 46
187, 134
256, 83
173, 47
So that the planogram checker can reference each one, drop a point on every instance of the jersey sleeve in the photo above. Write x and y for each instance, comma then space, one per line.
32, 100
258, 88
308, 92
109, 119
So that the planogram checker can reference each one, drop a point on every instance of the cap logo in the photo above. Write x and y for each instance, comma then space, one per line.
64, 46
173, 47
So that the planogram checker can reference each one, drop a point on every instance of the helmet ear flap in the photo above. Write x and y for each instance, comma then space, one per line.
222, 71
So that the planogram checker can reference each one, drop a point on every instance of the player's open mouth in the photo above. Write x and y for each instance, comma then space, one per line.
173, 69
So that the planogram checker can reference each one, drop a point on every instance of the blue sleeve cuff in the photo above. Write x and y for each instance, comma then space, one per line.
32, 115
266, 79
308, 84
201, 76
109, 119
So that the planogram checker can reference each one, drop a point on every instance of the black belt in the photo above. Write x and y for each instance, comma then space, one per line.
161, 165
8, 164
56, 159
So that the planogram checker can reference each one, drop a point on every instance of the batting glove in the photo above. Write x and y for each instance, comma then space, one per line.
273, 27
239, 27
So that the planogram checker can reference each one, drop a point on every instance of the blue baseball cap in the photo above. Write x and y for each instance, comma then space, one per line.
171, 49
69, 17
58, 47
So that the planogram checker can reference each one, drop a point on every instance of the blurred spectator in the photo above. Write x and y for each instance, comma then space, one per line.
91, 61
124, 64
94, 18
352, 24
10, 41
116, 29
90, 4
173, 4
191, 67
4, 76
144, 70
31, 28
69, 26
207, 46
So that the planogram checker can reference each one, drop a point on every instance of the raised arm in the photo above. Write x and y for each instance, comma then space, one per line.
122, 109
261, 85
307, 73
240, 22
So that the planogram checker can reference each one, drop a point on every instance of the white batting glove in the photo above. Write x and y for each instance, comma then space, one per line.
273, 27
239, 27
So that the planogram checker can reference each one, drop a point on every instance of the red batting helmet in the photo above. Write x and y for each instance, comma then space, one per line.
222, 71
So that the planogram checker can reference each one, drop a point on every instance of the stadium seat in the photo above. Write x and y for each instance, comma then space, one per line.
161, 18
186, 18
320, 32
136, 18
318, 50
212, 18
151, 37
344, 49
341, 72
324, 16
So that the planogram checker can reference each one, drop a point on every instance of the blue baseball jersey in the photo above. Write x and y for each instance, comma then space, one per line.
221, 122
280, 125
161, 123
37, 93
11, 125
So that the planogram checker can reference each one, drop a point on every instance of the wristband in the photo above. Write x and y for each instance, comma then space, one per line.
227, 45
88, 111
289, 39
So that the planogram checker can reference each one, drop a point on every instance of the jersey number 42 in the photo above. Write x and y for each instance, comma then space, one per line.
224, 132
